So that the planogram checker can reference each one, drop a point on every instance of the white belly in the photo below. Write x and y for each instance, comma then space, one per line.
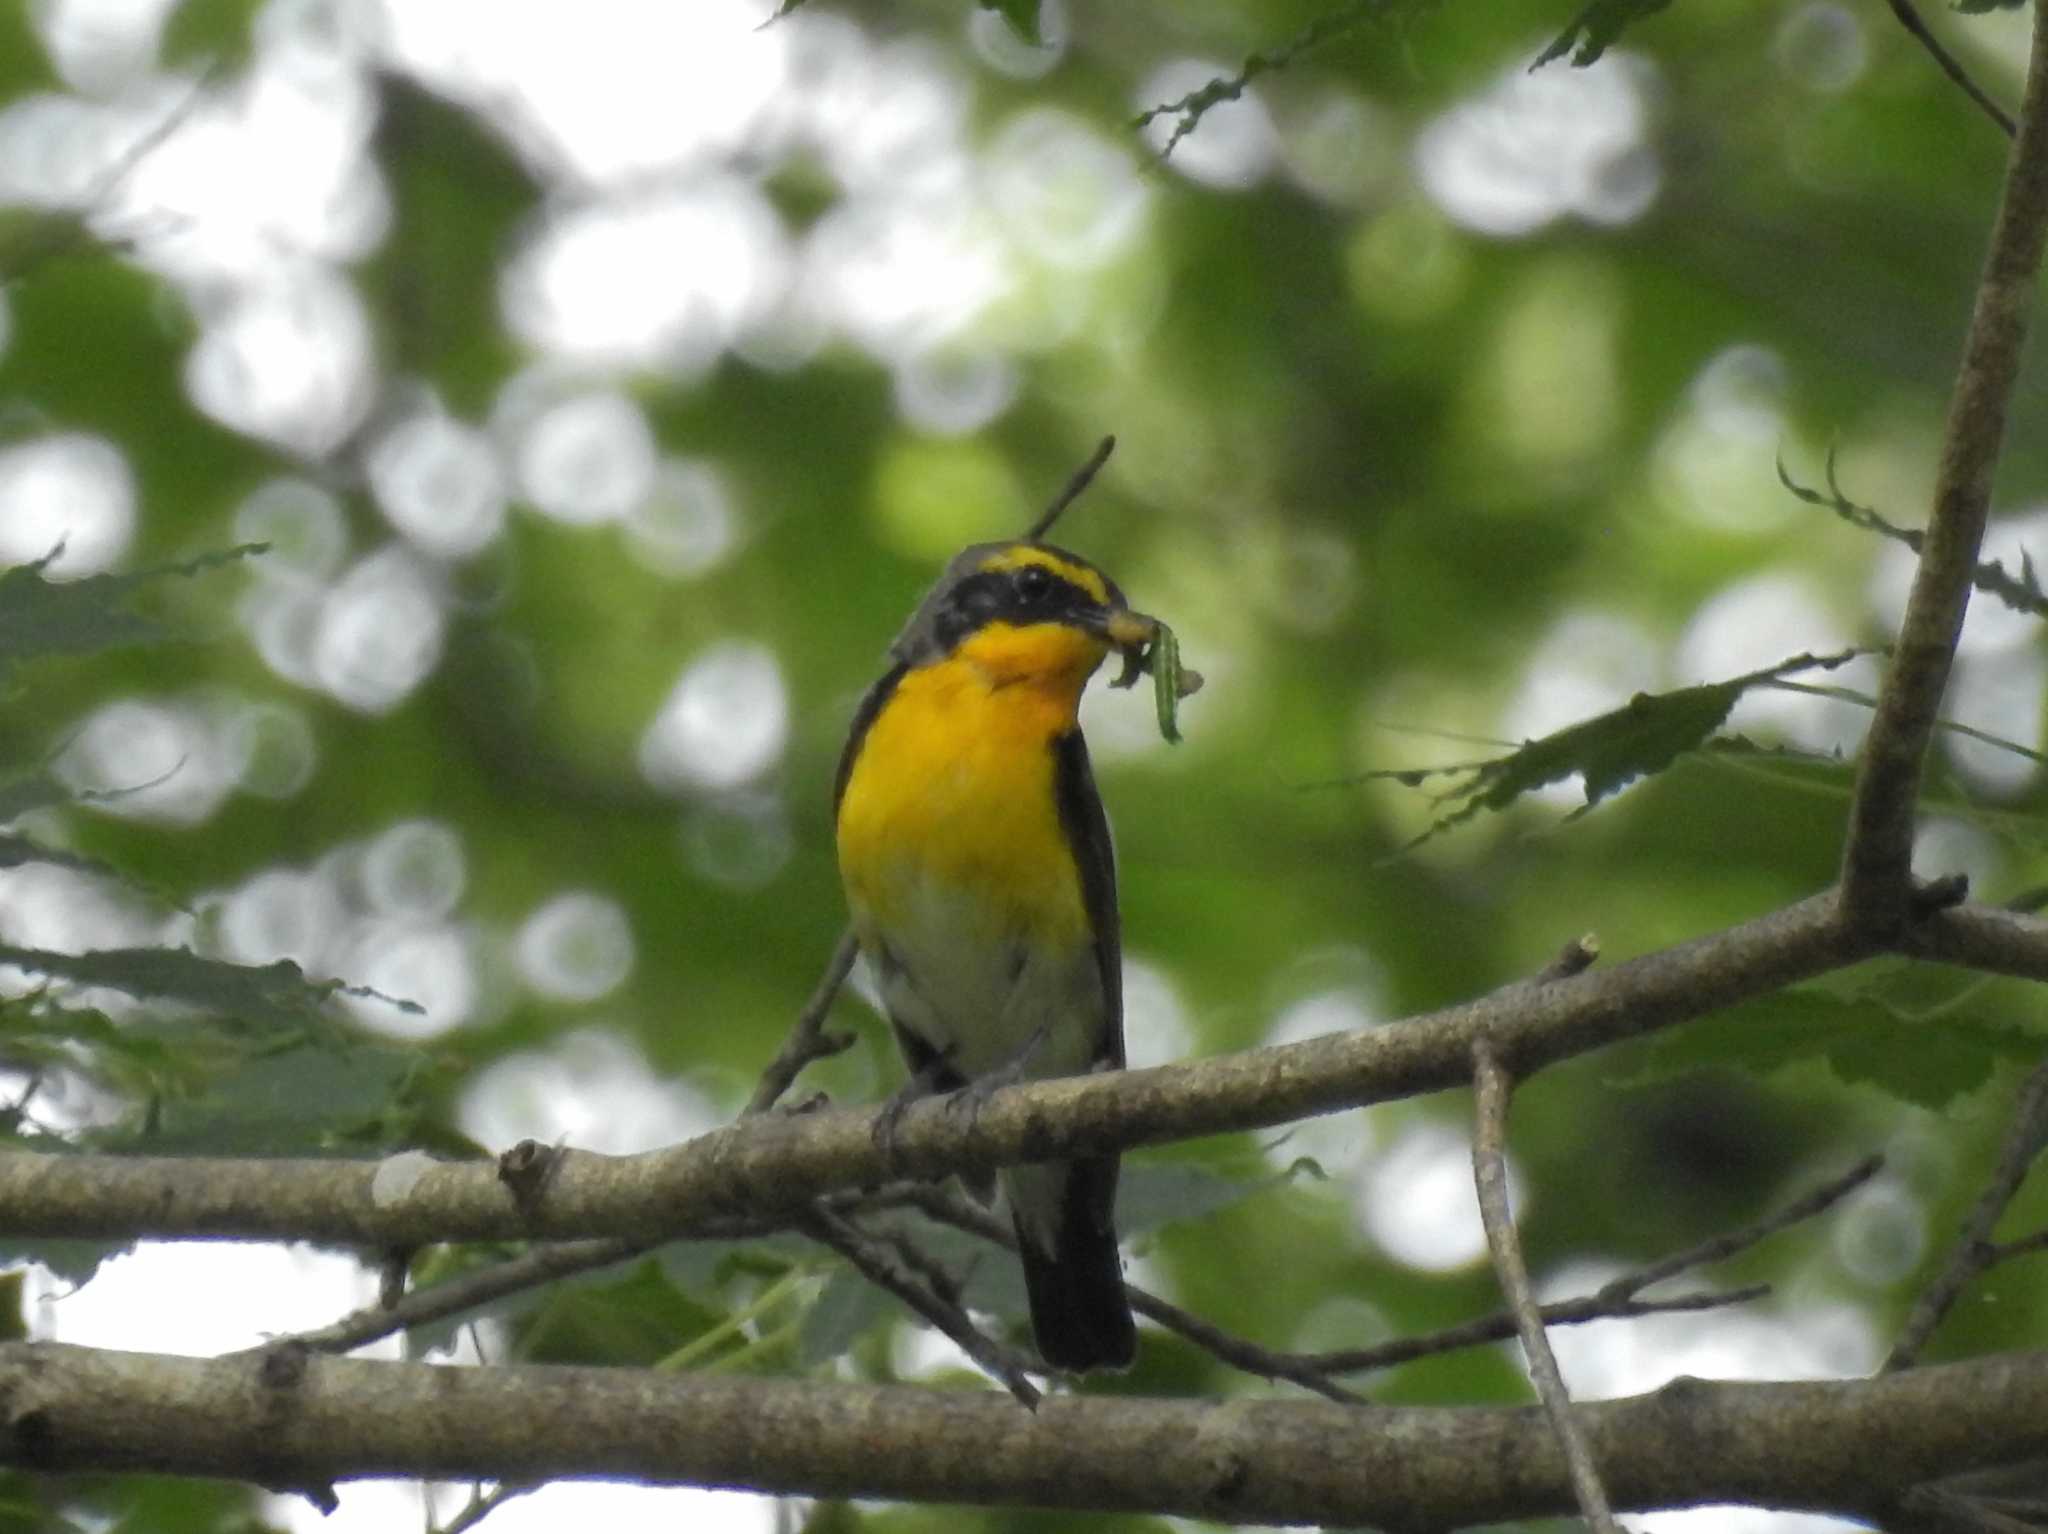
983, 996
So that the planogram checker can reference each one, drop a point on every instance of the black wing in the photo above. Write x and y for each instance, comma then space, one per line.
1088, 834
1079, 1311
863, 717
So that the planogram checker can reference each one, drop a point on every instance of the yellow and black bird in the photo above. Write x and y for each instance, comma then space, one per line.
978, 866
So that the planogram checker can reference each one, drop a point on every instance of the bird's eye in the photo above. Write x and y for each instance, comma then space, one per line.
1034, 583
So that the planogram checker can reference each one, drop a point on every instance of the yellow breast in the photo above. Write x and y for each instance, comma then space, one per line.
952, 793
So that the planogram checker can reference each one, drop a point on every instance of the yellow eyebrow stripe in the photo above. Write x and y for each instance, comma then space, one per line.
1019, 555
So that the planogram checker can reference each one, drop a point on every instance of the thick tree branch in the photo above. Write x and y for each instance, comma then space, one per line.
773, 1162
1984, 938
1863, 1445
1877, 863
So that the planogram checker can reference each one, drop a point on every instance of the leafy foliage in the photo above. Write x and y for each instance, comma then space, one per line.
459, 197
41, 618
1639, 739
216, 33
1382, 444
274, 994
1596, 28
1021, 16
2022, 592
1929, 1061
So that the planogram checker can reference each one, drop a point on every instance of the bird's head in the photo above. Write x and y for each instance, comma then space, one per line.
1024, 612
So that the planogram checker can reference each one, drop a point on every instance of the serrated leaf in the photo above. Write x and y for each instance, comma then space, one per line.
636, 1319
1928, 1062
439, 1265
1641, 738
1022, 17
73, 1261
40, 618
276, 994
459, 195
1590, 33
302, 1100
848, 1306
701, 1268
1161, 1193
88, 1035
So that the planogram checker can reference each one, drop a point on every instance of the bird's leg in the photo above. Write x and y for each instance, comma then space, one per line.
931, 1071
971, 1095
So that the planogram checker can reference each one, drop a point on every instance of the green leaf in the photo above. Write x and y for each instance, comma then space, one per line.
217, 32
40, 618
848, 1307
28, 239
1152, 1194
35, 791
1595, 28
72, 1260
13, 1323
441, 1264
459, 196
701, 1268
302, 1100
24, 64
141, 1059
275, 994
1022, 16
637, 1319
1642, 737
1926, 1061
17, 850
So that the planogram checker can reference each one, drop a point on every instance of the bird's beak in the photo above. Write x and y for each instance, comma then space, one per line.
1130, 634
1125, 630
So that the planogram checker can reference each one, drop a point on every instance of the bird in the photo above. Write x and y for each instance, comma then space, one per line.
978, 868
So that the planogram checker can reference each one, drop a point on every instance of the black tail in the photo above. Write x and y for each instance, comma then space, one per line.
1079, 1311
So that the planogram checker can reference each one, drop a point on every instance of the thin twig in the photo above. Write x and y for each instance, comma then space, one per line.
1317, 1371
2024, 1246
1951, 65
452, 1297
1974, 1251
1189, 110
1071, 491
1722, 1247
540, 1265
807, 1039
921, 1288
482, 1504
2022, 592
1605, 1305
1619, 1298
1877, 860
545, 1263
829, 1229
1491, 1089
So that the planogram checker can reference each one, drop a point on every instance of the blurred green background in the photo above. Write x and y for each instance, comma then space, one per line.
609, 381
